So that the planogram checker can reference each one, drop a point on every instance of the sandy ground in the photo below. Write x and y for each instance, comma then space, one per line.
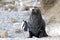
48, 38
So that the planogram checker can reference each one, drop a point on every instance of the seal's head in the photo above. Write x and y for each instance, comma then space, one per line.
36, 11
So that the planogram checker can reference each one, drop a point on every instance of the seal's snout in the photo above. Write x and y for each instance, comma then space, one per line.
34, 11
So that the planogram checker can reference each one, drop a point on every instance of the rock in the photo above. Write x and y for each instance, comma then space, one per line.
13, 20
51, 10
10, 7
4, 34
15, 0
21, 8
53, 29
5, 0
28, 1
18, 31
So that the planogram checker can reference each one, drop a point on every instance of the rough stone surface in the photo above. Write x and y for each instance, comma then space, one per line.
51, 10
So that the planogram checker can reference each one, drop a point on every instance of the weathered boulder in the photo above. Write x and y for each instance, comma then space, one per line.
4, 34
51, 10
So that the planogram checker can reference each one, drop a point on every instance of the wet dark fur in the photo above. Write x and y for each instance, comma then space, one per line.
36, 24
